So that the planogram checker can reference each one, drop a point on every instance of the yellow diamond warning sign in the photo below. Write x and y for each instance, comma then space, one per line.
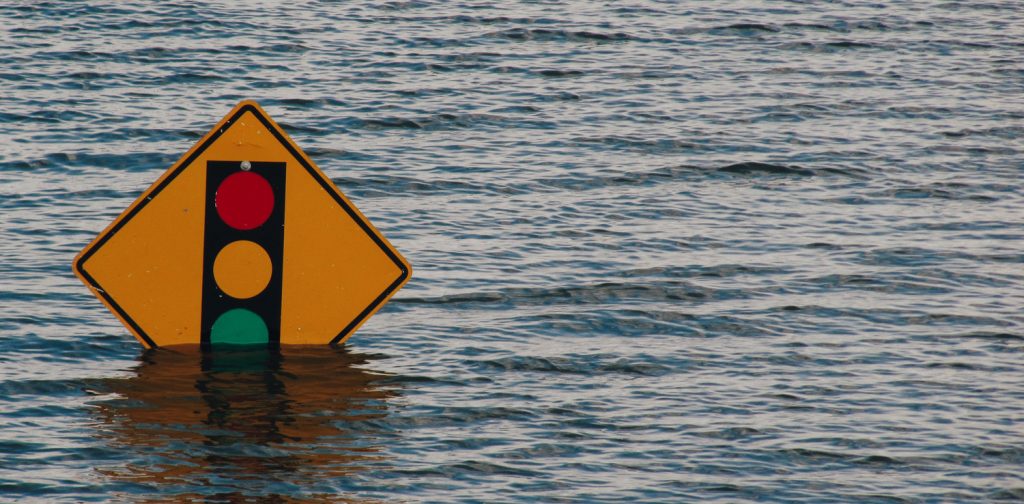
243, 241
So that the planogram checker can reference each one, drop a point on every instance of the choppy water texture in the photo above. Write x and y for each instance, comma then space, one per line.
663, 252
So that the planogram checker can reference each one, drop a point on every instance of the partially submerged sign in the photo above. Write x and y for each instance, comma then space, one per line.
242, 241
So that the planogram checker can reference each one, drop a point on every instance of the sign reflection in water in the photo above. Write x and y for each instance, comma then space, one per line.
245, 424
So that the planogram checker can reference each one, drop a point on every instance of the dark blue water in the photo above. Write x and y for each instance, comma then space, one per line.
663, 252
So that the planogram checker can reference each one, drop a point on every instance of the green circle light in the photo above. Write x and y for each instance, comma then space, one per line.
239, 327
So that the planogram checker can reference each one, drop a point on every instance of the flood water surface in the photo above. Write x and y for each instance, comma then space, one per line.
662, 252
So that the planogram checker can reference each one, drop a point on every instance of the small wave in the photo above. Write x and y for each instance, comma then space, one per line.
413, 380
51, 388
473, 467
285, 48
48, 116
958, 366
730, 433
715, 271
544, 450
746, 29
408, 186
756, 168
607, 292
329, 153
1006, 132
320, 101
190, 77
933, 191
547, 34
840, 26
849, 44
447, 120
830, 47
589, 365
683, 172
658, 145
463, 18
447, 416
993, 335
1015, 494
815, 26
62, 161
392, 122
878, 460
559, 73
752, 27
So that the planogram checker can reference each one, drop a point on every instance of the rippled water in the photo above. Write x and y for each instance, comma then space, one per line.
663, 252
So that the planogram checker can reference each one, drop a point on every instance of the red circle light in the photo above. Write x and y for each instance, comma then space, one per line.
244, 200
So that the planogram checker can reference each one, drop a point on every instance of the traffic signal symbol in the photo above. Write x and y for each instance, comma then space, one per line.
242, 269
242, 251
244, 200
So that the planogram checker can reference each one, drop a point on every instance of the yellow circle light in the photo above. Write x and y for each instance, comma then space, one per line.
242, 269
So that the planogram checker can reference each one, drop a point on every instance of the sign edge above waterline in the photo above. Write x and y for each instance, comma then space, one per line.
80, 264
